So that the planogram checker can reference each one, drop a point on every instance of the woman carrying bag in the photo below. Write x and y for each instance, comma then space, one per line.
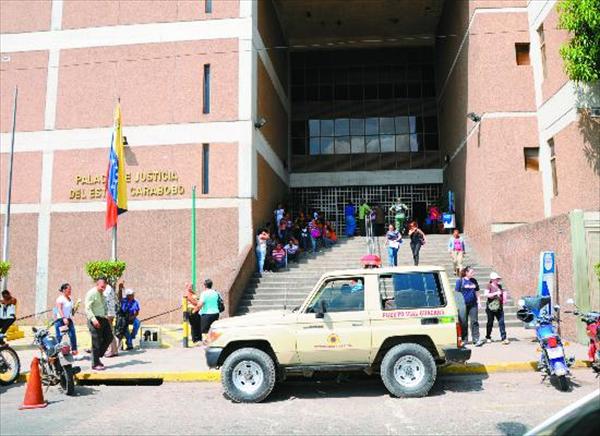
494, 308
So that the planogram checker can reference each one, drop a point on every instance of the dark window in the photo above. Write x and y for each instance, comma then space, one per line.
522, 53
208, 6
339, 295
206, 94
205, 167
532, 158
542, 38
553, 166
411, 291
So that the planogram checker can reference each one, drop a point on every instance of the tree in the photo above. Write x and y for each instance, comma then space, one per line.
581, 53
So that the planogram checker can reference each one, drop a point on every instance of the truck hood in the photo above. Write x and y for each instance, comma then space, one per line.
268, 317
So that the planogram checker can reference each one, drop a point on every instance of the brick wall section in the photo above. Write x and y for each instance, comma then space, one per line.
577, 149
23, 259
27, 175
516, 254
29, 71
237, 285
554, 38
271, 191
24, 16
96, 13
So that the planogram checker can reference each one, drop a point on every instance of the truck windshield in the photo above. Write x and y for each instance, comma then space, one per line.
340, 295
411, 291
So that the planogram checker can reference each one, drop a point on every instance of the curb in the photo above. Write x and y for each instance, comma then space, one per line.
215, 375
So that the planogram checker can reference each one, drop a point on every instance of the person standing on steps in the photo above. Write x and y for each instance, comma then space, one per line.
494, 308
417, 240
379, 220
363, 210
456, 247
261, 249
98, 325
393, 239
350, 214
469, 288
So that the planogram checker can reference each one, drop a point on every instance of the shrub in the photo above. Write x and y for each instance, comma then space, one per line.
111, 270
4, 267
597, 268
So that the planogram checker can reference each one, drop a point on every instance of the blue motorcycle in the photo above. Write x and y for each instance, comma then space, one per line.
537, 313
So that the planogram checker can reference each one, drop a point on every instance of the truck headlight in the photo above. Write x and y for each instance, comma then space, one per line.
213, 335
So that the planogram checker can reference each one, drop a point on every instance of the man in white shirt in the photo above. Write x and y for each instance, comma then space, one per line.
7, 311
111, 313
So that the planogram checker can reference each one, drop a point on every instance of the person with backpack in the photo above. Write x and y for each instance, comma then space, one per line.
469, 288
211, 305
494, 308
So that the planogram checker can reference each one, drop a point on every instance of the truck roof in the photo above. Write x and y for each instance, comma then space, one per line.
386, 270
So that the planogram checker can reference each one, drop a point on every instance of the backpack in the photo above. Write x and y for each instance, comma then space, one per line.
220, 303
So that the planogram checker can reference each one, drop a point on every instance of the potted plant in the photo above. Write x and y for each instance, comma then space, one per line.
111, 270
4, 268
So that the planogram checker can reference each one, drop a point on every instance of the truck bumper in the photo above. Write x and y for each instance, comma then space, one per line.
212, 356
457, 355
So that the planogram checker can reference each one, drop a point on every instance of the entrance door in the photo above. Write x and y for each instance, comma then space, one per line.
419, 209
343, 335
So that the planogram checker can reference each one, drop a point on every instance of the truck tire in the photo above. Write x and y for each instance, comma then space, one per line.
408, 371
248, 375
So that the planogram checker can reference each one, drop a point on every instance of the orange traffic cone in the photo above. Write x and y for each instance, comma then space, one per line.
34, 398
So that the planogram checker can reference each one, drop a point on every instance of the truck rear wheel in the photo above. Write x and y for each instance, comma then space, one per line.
248, 375
408, 370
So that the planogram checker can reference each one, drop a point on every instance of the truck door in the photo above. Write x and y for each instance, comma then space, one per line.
343, 334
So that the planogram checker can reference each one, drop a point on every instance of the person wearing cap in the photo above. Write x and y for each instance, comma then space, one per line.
494, 308
131, 309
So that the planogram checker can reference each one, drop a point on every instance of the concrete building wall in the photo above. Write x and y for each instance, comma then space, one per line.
271, 108
271, 191
273, 39
554, 38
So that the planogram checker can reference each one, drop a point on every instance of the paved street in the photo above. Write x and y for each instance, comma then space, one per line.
500, 403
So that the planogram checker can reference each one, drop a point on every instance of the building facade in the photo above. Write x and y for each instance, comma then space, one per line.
258, 102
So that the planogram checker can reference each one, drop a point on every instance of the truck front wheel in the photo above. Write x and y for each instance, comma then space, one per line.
408, 370
248, 375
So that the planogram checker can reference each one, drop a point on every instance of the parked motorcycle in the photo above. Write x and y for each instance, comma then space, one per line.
553, 362
592, 328
56, 360
10, 366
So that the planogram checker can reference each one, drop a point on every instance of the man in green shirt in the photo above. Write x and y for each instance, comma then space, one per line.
363, 210
100, 329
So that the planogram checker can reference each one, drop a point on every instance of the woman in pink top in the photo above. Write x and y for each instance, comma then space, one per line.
456, 247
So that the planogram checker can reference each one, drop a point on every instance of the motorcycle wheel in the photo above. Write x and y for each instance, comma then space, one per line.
67, 381
11, 366
563, 383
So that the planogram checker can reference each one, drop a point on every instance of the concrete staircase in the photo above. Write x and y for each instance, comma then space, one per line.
289, 288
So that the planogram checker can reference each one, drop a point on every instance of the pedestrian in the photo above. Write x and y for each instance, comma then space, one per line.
261, 249
279, 256
130, 307
399, 210
194, 317
305, 242
329, 235
279, 213
112, 300
8, 310
469, 288
291, 249
209, 306
63, 314
349, 214
315, 235
379, 220
456, 247
417, 240
494, 308
363, 210
98, 325
393, 239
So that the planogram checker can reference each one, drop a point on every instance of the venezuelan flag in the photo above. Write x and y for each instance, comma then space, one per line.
116, 182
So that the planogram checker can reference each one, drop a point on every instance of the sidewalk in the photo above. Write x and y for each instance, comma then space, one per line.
176, 364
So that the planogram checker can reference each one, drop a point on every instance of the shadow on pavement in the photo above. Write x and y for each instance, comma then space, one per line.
458, 383
6, 388
84, 391
510, 428
110, 365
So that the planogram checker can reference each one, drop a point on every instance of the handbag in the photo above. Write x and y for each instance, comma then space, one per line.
221, 304
494, 305
394, 244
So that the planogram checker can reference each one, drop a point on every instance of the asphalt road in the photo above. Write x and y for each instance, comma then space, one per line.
500, 403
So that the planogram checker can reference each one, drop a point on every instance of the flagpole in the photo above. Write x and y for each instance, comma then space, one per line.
113, 250
194, 237
9, 193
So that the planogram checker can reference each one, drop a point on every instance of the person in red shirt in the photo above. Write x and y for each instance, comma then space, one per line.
279, 256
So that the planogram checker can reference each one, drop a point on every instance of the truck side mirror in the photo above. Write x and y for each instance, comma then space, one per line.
322, 309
